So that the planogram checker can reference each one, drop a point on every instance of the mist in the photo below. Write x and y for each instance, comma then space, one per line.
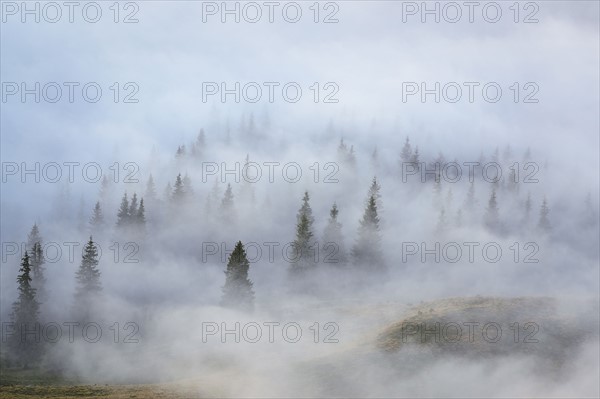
415, 215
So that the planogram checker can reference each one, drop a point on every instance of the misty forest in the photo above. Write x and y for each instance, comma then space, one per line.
196, 246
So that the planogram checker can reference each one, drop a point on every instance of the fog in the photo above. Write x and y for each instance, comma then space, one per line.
440, 250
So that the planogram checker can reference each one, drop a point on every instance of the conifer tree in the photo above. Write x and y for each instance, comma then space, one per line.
104, 189
492, 219
442, 224
527, 206
247, 190
342, 150
375, 159
88, 285
133, 208
237, 291
303, 249
25, 317
140, 217
227, 202
123, 214
150, 190
374, 191
38, 277
544, 222
414, 159
470, 201
97, 220
33, 236
407, 153
333, 248
366, 252
351, 157
187, 186
178, 190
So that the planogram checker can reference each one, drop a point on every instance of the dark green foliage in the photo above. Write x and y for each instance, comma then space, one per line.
237, 291
88, 285
366, 252
38, 271
303, 256
25, 346
123, 214
333, 248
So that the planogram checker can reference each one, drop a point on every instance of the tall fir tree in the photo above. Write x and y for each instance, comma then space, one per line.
366, 252
414, 159
25, 347
187, 185
492, 215
150, 190
97, 219
133, 208
544, 222
140, 216
178, 190
227, 209
33, 236
375, 191
527, 209
442, 223
304, 254
470, 201
88, 285
333, 248
38, 270
237, 291
123, 213
407, 153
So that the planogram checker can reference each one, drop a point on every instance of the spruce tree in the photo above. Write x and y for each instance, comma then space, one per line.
187, 186
150, 190
33, 236
374, 191
97, 220
25, 347
36, 260
227, 202
140, 216
544, 222
470, 201
333, 248
414, 159
351, 157
442, 224
178, 190
105, 189
87, 277
133, 208
38, 271
406, 154
366, 252
123, 214
303, 249
491, 218
527, 211
237, 291
247, 190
